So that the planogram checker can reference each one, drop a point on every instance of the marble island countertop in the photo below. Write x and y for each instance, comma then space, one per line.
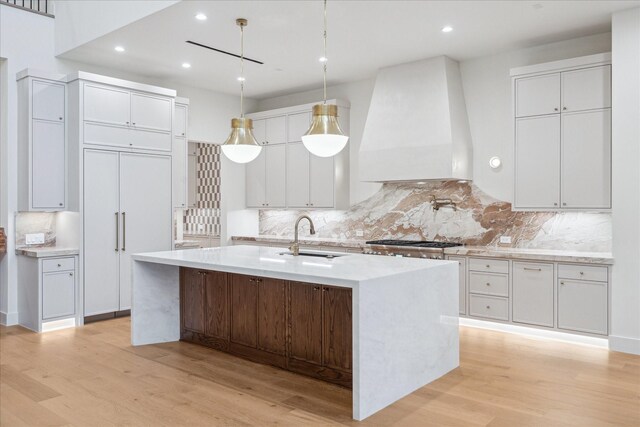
345, 270
47, 251
551, 255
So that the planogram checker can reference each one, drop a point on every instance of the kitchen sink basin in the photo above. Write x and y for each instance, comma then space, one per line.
317, 254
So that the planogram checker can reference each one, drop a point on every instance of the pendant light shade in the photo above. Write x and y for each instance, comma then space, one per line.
241, 146
325, 138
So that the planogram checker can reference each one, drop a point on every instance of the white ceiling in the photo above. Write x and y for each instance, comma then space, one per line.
363, 36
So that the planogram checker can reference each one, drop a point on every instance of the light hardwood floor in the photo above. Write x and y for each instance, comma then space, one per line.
92, 376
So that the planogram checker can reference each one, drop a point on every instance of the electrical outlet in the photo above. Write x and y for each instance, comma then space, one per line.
34, 239
505, 239
359, 233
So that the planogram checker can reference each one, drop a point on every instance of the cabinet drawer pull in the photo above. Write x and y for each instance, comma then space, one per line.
488, 307
532, 269
59, 265
564, 108
562, 283
555, 204
488, 284
582, 273
488, 266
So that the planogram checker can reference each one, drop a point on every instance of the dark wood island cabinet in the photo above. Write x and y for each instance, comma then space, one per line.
302, 327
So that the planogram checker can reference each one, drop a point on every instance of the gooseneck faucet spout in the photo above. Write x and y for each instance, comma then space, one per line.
295, 247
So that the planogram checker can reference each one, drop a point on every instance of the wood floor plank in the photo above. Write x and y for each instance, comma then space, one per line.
92, 376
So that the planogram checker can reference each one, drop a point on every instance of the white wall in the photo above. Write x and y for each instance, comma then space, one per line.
27, 41
359, 94
78, 22
625, 292
487, 91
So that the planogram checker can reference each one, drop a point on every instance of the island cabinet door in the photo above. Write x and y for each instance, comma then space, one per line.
337, 328
305, 322
244, 300
217, 312
272, 326
192, 298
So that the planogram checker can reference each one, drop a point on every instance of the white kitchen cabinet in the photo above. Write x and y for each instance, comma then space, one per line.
127, 209
563, 155
106, 104
586, 159
586, 89
321, 181
462, 282
192, 174
297, 175
48, 100
255, 181
489, 307
151, 112
537, 162
533, 293
266, 178
270, 130
298, 125
538, 95
259, 130
42, 147
179, 167
582, 306
48, 290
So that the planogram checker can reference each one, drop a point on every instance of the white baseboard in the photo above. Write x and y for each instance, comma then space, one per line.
624, 344
543, 334
8, 319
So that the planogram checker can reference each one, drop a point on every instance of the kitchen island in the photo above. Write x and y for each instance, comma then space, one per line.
385, 326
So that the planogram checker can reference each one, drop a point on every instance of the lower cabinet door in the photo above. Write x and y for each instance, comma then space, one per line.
48, 172
462, 282
244, 300
58, 294
533, 293
337, 328
272, 327
305, 322
582, 306
192, 300
217, 307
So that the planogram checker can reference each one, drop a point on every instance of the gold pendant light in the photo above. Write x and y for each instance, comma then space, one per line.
324, 137
241, 146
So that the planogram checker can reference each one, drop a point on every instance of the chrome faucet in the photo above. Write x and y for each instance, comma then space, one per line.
295, 247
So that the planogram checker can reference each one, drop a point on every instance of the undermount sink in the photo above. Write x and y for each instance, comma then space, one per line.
318, 254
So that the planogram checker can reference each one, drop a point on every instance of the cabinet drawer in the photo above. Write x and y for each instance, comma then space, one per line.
489, 265
100, 134
489, 307
57, 264
582, 272
58, 294
582, 306
150, 140
489, 284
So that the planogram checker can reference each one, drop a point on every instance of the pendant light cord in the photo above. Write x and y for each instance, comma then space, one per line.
242, 71
324, 76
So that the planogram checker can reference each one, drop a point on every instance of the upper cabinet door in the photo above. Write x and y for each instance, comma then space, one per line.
276, 177
181, 121
537, 162
255, 181
48, 167
259, 131
276, 130
537, 95
297, 176
298, 126
586, 159
151, 112
48, 101
106, 105
321, 181
586, 89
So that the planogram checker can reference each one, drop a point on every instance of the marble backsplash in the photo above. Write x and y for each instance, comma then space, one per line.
404, 211
35, 222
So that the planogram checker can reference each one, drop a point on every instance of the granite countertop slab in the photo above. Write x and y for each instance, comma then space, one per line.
307, 241
51, 251
533, 254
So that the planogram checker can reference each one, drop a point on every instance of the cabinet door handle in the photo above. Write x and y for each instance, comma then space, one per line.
564, 108
555, 109
127, 123
564, 204
71, 274
488, 284
59, 118
532, 269
124, 231
488, 307
555, 204
117, 231
133, 123
488, 266
562, 283
59, 204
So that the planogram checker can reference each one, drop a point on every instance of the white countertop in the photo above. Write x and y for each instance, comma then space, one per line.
44, 252
345, 270
533, 254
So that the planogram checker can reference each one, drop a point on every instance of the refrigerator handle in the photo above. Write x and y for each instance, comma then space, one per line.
117, 231
124, 231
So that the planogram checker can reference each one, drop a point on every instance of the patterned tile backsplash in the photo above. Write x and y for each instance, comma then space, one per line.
35, 222
204, 218
404, 211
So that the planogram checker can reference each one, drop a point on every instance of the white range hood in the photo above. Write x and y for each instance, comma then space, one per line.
417, 127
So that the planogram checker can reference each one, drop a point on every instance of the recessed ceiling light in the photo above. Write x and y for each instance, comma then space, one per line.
201, 17
447, 29
119, 49
186, 65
